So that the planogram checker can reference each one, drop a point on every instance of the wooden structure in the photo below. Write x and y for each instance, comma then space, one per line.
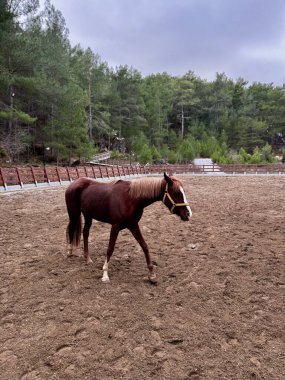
20, 177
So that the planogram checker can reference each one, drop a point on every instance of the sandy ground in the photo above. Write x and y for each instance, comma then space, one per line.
218, 311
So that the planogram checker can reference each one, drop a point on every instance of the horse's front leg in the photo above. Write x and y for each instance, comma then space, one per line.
86, 229
112, 241
135, 230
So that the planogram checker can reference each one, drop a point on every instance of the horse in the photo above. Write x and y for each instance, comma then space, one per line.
120, 203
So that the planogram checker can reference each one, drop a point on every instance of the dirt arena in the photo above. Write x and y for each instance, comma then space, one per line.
217, 312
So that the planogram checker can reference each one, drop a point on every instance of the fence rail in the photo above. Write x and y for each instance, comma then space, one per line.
219, 169
22, 177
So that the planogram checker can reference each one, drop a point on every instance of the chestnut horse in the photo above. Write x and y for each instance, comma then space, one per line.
121, 204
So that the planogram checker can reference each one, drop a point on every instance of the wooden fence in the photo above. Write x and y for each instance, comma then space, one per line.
253, 169
21, 177
256, 169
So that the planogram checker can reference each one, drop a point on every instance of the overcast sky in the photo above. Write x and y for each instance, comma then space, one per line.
242, 38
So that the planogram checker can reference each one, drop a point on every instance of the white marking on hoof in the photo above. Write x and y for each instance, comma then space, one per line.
105, 277
152, 278
69, 250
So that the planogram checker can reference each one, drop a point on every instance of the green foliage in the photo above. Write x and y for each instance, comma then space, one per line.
283, 155
139, 141
208, 146
19, 116
266, 153
244, 156
69, 99
145, 154
2, 153
188, 149
255, 157
115, 155
172, 157
155, 154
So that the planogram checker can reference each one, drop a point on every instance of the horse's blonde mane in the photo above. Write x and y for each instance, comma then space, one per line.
149, 187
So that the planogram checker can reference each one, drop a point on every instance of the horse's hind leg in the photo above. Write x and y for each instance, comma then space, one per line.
86, 229
112, 241
135, 230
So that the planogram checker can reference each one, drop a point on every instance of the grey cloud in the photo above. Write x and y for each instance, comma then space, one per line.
205, 36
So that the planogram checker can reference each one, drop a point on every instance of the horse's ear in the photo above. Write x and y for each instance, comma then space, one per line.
168, 179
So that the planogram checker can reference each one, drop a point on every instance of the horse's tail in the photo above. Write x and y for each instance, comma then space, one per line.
73, 204
73, 231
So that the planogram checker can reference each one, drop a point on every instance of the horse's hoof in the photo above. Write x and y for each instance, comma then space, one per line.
105, 280
89, 261
153, 279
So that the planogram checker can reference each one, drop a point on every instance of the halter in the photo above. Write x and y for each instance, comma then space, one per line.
166, 194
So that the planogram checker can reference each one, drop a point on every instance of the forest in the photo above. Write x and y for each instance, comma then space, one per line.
60, 103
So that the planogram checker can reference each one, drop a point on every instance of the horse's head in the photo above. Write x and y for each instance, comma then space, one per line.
175, 199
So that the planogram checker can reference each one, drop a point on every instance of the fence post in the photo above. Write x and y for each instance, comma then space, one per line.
19, 177
92, 166
34, 177
3, 179
46, 175
100, 171
119, 171
68, 174
57, 172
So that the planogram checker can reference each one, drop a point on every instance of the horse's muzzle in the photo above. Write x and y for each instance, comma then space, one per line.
186, 217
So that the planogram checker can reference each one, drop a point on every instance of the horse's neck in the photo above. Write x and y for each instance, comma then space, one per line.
154, 198
148, 201
147, 191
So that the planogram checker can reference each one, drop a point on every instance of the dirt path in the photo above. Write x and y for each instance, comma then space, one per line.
216, 313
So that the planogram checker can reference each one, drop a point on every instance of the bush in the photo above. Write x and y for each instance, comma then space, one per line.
220, 158
255, 157
2, 153
244, 156
188, 149
266, 153
172, 157
145, 154
283, 156
208, 146
155, 154
115, 155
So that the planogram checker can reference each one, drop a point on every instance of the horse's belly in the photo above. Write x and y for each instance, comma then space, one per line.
104, 212
106, 206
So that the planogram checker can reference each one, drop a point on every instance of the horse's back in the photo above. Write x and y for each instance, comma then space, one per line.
106, 194
103, 201
80, 183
